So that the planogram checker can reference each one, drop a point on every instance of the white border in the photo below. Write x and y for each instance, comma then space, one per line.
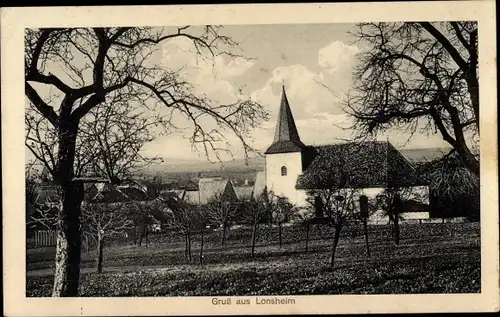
13, 22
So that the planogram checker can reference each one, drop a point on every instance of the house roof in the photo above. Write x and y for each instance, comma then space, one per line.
192, 197
109, 193
213, 187
243, 192
286, 137
179, 193
260, 184
47, 194
356, 164
97, 193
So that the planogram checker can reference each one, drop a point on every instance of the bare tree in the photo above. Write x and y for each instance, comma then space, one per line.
222, 212
142, 214
185, 219
419, 77
390, 201
282, 213
103, 220
203, 221
254, 212
366, 208
94, 66
40, 211
339, 206
334, 186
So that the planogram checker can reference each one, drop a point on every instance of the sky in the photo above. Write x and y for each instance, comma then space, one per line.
313, 61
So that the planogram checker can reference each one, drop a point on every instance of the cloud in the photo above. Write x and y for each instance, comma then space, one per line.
304, 90
210, 75
337, 56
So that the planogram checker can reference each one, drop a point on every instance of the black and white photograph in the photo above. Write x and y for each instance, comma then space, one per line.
247, 164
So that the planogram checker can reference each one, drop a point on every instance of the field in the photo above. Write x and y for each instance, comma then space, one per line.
431, 258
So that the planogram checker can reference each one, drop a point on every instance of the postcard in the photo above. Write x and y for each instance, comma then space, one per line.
250, 159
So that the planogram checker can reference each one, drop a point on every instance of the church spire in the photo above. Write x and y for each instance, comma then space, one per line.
286, 136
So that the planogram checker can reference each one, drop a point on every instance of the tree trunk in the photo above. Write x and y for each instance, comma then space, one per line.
470, 161
254, 236
189, 246
307, 236
365, 225
336, 239
396, 229
100, 249
318, 227
185, 246
223, 239
135, 233
279, 234
68, 249
201, 247
143, 234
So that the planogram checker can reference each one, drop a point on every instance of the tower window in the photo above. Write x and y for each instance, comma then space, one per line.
283, 171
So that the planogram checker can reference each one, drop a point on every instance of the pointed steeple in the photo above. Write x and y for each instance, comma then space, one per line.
286, 136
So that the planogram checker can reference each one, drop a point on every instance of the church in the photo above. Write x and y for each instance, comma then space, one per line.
293, 168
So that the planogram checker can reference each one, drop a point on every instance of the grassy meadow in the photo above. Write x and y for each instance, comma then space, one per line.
431, 258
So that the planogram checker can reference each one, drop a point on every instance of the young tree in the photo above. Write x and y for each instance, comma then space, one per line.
390, 201
91, 67
339, 207
184, 218
364, 213
416, 75
222, 212
41, 208
334, 186
103, 220
142, 214
254, 212
283, 213
203, 221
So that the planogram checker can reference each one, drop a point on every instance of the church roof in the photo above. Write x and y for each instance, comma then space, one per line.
286, 137
357, 164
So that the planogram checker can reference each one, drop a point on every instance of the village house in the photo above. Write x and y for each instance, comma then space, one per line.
292, 169
210, 188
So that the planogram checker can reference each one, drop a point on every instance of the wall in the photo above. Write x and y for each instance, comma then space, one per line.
418, 193
283, 185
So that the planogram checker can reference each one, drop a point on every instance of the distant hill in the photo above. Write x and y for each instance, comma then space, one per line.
425, 154
239, 171
180, 171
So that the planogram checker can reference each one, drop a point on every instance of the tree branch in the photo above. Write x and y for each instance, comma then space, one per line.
447, 45
46, 110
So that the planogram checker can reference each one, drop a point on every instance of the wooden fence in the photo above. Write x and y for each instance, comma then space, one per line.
48, 238
45, 238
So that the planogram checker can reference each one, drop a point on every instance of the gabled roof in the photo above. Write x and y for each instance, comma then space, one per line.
243, 192
109, 193
361, 165
286, 137
192, 197
212, 187
179, 193
260, 184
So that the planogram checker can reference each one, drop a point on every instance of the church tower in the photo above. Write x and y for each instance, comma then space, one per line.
284, 156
